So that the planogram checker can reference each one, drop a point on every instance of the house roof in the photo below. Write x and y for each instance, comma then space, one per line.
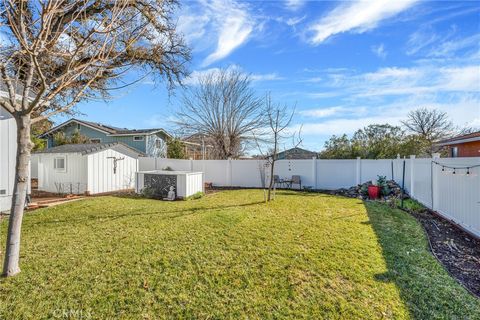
470, 137
107, 129
296, 149
89, 148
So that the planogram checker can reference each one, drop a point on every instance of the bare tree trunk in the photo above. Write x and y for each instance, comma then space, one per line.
24, 147
272, 181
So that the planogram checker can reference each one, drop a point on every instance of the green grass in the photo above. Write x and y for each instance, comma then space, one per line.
411, 204
228, 255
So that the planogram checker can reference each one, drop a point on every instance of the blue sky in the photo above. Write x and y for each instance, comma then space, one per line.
343, 65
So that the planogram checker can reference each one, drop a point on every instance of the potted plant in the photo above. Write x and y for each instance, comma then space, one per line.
373, 191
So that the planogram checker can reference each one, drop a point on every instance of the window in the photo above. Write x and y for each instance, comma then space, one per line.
138, 138
158, 144
59, 164
96, 140
454, 152
3, 191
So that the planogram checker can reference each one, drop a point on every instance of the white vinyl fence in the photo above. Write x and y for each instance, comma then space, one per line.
455, 196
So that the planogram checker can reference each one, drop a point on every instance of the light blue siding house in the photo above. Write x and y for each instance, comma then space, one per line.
151, 142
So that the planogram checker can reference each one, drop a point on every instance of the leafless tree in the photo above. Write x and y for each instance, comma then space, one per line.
279, 118
224, 109
430, 124
59, 52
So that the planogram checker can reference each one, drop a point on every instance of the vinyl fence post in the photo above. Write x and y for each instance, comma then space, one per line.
358, 171
314, 172
229, 172
412, 175
434, 184
191, 164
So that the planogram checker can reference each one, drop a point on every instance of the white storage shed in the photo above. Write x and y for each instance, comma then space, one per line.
8, 150
184, 183
91, 168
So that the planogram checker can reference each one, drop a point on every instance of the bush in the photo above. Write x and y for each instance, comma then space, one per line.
382, 183
151, 193
196, 196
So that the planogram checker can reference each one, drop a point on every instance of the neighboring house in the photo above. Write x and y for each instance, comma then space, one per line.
296, 153
87, 168
8, 150
151, 142
467, 145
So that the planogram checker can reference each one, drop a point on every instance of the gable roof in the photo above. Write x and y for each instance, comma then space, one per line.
470, 137
296, 150
90, 148
107, 129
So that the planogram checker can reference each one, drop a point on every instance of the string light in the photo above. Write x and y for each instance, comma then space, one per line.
467, 169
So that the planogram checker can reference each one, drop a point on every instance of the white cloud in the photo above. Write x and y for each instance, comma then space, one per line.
392, 74
322, 112
357, 16
196, 75
464, 112
334, 111
451, 47
295, 20
223, 25
193, 27
234, 27
294, 4
420, 39
265, 77
428, 43
423, 80
379, 51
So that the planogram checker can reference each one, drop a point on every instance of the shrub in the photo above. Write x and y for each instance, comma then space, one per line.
151, 193
196, 196
382, 183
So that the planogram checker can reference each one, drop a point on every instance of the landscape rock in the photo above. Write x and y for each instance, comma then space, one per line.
360, 191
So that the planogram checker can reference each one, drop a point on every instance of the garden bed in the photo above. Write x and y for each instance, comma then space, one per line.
456, 249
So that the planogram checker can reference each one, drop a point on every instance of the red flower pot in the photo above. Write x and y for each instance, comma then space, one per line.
373, 192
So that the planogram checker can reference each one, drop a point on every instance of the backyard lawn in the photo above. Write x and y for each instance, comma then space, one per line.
228, 255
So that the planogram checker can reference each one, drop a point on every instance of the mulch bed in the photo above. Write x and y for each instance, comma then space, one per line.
457, 250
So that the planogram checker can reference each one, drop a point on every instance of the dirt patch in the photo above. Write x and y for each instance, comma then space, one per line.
457, 250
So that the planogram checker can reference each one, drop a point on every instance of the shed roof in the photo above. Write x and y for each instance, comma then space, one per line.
89, 148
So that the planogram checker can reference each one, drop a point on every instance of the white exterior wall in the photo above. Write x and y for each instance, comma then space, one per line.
34, 166
101, 177
8, 149
73, 179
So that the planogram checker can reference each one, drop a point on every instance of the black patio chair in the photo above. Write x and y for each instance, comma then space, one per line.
296, 180
277, 181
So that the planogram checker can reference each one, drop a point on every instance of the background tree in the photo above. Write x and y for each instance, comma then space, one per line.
37, 129
59, 52
76, 138
377, 141
224, 109
175, 149
430, 124
338, 147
